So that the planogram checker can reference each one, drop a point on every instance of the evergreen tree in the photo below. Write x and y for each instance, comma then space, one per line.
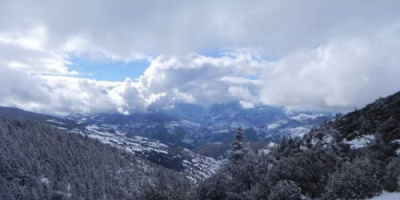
38, 161
238, 148
285, 190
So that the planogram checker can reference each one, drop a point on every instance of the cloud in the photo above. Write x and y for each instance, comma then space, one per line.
28, 51
191, 78
342, 74
306, 55
130, 28
203, 79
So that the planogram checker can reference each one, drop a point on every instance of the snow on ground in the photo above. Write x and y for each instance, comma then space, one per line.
262, 152
303, 116
277, 124
325, 140
298, 131
396, 141
271, 144
54, 121
273, 125
196, 168
133, 144
360, 142
387, 196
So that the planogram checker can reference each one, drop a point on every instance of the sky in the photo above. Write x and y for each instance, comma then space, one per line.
86, 56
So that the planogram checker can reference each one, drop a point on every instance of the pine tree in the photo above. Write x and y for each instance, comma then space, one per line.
285, 190
238, 148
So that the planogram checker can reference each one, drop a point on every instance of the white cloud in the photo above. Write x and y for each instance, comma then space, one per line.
309, 54
343, 74
129, 28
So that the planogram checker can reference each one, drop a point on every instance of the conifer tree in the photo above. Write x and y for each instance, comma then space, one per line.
238, 148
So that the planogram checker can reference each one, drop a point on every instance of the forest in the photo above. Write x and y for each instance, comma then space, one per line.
38, 161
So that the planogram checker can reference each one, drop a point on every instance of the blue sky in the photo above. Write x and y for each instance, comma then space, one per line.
108, 70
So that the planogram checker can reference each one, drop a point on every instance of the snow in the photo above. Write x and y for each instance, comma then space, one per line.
271, 144
44, 180
61, 128
262, 152
396, 141
277, 124
273, 126
54, 121
298, 131
132, 145
387, 196
303, 116
360, 142
196, 168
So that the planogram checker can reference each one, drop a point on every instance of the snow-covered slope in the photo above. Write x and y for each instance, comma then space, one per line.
377, 123
189, 125
194, 166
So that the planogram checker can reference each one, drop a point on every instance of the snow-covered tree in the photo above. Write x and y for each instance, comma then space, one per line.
285, 190
238, 147
354, 180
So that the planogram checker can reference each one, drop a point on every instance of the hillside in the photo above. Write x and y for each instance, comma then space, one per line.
355, 156
19, 114
378, 122
38, 161
192, 126
193, 165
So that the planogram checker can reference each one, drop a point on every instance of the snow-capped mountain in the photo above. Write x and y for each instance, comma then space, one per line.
190, 125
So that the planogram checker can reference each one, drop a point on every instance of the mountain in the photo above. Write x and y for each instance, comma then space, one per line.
185, 161
191, 126
38, 161
354, 156
183, 137
19, 114
378, 122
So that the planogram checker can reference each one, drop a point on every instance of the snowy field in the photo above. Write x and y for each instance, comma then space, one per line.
387, 196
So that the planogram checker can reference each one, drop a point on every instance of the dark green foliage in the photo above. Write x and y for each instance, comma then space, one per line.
221, 151
238, 146
309, 169
165, 187
382, 116
214, 188
166, 160
285, 190
323, 164
41, 162
392, 177
354, 180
